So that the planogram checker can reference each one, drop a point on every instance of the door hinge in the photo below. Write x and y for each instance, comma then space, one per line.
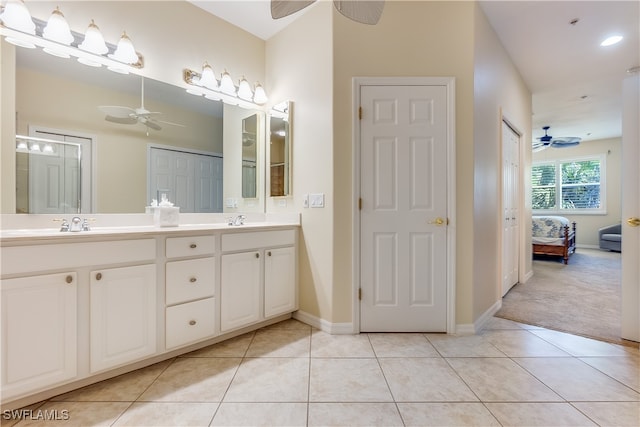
359, 203
360, 113
360, 294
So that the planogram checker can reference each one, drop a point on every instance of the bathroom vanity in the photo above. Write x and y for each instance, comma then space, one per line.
80, 307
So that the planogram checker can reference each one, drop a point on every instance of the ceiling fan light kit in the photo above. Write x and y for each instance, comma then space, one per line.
56, 38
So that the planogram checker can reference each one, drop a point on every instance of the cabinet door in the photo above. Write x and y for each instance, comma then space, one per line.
279, 281
240, 290
39, 332
123, 315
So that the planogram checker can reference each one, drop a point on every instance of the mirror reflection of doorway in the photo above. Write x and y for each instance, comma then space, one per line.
54, 172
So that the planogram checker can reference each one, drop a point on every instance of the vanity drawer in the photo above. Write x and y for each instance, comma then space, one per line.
257, 239
190, 322
189, 280
190, 246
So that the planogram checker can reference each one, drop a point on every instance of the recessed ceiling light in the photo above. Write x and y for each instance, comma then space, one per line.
611, 40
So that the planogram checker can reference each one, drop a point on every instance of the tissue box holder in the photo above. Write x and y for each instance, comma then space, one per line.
165, 216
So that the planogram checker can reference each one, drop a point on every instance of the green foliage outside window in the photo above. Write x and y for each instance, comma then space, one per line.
568, 185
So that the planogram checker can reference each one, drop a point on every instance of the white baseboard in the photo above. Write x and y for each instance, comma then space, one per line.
481, 323
324, 325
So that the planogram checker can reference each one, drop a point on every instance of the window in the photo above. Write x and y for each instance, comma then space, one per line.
562, 186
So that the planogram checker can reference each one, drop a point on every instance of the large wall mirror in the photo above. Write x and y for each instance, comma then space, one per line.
184, 152
279, 147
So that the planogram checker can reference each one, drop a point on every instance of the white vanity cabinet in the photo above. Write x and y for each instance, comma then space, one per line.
190, 285
39, 332
258, 277
123, 315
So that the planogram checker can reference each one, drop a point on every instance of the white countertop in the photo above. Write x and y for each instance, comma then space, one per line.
116, 225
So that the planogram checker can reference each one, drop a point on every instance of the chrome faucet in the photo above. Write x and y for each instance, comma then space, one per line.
64, 226
76, 224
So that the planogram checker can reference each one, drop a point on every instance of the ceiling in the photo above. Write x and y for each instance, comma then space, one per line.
576, 85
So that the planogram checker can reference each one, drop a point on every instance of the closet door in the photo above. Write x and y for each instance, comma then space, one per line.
192, 181
510, 211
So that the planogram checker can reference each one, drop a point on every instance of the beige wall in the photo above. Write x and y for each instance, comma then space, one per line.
499, 91
299, 68
587, 225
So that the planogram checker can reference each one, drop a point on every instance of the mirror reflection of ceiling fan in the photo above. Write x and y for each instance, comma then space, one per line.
131, 116
555, 142
363, 11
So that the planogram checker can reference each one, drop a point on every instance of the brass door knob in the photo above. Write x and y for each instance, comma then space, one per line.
439, 221
634, 222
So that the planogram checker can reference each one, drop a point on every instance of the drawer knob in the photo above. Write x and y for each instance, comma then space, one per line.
193, 246
193, 280
269, 253
192, 322
257, 255
69, 279
99, 276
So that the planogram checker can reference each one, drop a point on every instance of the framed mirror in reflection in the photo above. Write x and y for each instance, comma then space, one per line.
68, 98
280, 142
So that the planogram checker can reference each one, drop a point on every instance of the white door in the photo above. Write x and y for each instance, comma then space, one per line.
631, 210
510, 212
403, 219
60, 179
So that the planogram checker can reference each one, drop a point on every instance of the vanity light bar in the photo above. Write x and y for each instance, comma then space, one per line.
71, 50
192, 78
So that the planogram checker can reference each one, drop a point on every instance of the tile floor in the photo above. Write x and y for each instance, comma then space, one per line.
290, 374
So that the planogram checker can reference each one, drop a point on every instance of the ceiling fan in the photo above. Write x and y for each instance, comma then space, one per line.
131, 116
555, 142
363, 11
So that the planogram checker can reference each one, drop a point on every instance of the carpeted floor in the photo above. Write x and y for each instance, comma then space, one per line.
582, 298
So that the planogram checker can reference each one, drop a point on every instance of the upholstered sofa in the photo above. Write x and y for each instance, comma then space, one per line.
610, 238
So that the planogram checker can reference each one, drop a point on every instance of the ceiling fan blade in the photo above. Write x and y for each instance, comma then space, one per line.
149, 123
563, 142
117, 111
121, 120
171, 123
363, 11
282, 8
538, 146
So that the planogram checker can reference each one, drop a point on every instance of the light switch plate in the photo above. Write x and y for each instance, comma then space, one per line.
305, 201
316, 200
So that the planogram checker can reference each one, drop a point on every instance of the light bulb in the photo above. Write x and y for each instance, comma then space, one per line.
226, 84
244, 90
57, 29
260, 97
125, 52
208, 77
93, 41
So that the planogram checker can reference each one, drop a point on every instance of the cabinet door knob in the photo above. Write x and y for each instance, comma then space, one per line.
193, 280
269, 253
257, 255
193, 246
99, 276
69, 279
192, 322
